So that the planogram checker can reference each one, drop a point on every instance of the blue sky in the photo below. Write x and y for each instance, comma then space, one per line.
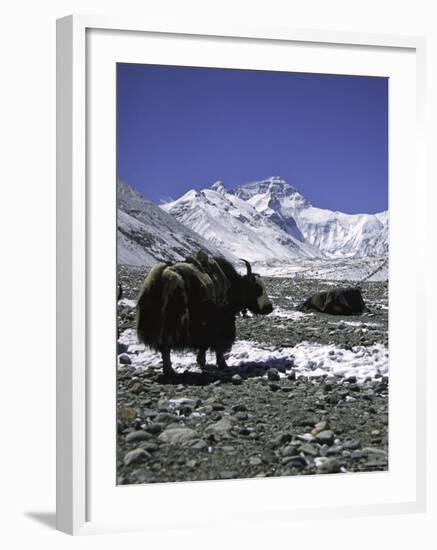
180, 128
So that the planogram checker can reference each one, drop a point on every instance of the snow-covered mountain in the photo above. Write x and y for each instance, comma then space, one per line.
146, 234
270, 220
235, 225
333, 234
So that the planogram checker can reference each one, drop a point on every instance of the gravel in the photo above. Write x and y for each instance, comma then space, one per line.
249, 423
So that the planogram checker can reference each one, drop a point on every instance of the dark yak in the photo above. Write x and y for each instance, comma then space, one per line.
336, 301
192, 305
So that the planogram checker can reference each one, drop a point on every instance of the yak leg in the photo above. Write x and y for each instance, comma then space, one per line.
166, 363
201, 358
220, 358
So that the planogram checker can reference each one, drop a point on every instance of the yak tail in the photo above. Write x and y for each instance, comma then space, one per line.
162, 310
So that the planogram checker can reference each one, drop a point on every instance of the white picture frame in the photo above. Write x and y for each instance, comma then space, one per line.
74, 290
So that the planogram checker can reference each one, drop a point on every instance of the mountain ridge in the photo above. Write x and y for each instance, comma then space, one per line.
334, 233
147, 234
263, 221
288, 220
234, 225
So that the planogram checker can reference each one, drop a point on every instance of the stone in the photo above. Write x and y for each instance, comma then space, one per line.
136, 456
305, 437
290, 450
309, 420
139, 435
255, 461
163, 405
351, 444
177, 435
149, 413
269, 456
220, 429
236, 379
273, 375
297, 461
181, 402
319, 427
124, 359
309, 449
165, 417
334, 450
332, 398
329, 466
143, 476
154, 428
325, 437
281, 438
357, 454
239, 407
127, 414
373, 451
227, 474
121, 348
196, 444
150, 446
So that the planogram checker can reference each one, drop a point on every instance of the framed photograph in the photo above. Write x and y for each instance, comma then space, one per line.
240, 278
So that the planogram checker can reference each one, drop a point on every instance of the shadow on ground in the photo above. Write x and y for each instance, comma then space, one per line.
211, 374
45, 518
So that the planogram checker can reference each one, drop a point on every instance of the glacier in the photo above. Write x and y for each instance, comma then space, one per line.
233, 224
333, 233
271, 221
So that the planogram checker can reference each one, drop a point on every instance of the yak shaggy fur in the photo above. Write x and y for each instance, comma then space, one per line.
192, 305
336, 301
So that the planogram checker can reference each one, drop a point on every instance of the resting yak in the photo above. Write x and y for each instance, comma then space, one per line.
336, 301
192, 305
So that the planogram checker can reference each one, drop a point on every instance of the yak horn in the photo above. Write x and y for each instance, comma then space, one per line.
248, 266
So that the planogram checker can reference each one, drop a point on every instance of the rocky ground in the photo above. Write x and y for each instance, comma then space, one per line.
256, 418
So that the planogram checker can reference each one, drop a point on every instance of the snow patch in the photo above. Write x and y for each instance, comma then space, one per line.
289, 314
127, 302
306, 359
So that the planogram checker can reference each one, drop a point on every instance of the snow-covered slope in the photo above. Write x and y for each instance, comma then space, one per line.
268, 222
146, 234
235, 225
334, 234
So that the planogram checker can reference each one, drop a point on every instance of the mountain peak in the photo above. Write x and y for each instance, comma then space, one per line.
276, 179
273, 189
219, 187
